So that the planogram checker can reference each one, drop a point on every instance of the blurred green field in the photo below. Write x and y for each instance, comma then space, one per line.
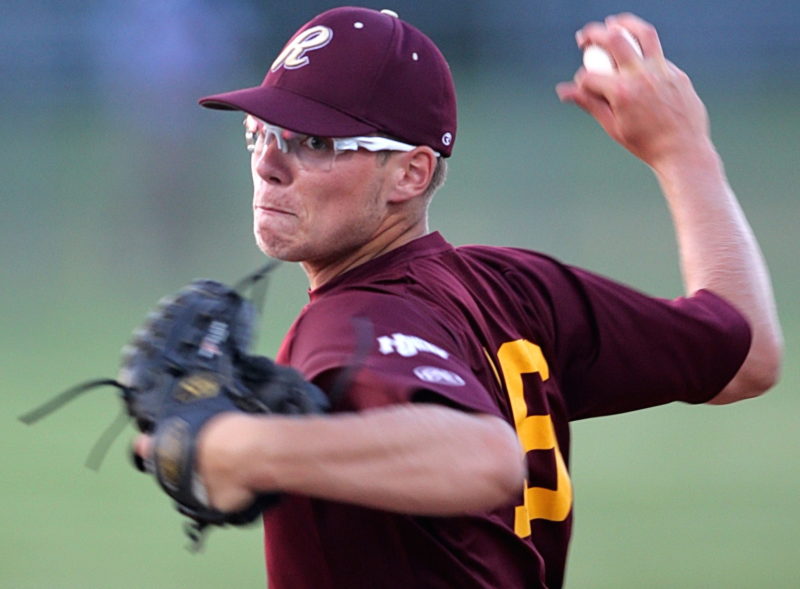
102, 215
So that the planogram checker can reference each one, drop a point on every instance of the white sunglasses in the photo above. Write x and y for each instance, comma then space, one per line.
311, 150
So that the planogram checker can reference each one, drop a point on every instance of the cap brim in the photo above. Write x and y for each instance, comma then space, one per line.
289, 110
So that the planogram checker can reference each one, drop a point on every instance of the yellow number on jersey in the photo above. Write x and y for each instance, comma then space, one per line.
535, 433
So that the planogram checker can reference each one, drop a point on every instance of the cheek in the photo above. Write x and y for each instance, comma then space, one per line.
356, 217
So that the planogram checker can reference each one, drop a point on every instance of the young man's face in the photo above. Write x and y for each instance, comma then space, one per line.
317, 214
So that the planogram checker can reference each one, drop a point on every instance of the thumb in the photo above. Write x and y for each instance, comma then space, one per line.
594, 104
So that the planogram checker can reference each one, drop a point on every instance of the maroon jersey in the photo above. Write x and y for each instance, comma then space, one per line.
502, 331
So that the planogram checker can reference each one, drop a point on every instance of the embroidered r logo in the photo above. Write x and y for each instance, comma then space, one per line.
294, 55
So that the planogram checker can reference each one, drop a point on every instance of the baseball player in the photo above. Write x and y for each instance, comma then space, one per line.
454, 372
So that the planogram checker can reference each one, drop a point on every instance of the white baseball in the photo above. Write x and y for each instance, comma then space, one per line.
597, 60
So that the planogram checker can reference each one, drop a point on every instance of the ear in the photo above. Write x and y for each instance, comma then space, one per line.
413, 173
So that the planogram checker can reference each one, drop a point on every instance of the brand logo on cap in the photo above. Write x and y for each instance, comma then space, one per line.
294, 55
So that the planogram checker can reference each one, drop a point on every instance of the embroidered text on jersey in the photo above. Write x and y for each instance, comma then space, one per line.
408, 345
294, 55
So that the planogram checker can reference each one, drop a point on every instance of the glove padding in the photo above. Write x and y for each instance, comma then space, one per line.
187, 364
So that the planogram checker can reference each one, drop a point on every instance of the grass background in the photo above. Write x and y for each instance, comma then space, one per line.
101, 216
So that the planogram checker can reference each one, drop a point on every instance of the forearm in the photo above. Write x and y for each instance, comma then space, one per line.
421, 459
719, 252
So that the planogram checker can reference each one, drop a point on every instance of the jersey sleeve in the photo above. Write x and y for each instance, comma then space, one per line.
387, 349
623, 350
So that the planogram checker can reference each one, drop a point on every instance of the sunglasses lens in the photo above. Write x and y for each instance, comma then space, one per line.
310, 151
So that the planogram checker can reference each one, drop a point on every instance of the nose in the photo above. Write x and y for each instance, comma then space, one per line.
272, 165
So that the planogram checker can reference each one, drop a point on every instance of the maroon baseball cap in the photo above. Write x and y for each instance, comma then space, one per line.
353, 71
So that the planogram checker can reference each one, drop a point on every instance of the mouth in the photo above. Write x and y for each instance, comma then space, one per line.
272, 210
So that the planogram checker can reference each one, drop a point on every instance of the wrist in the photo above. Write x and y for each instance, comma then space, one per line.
699, 158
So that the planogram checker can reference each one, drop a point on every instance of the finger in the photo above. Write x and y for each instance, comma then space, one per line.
138, 461
593, 104
589, 34
623, 46
644, 32
566, 91
143, 445
597, 107
599, 84
141, 453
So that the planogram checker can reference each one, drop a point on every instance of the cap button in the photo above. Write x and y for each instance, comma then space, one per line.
390, 12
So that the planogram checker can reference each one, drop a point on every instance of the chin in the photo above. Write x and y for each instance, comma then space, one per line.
277, 250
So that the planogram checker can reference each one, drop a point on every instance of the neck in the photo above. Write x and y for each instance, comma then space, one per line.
322, 271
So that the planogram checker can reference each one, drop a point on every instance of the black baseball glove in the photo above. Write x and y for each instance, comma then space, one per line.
186, 364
